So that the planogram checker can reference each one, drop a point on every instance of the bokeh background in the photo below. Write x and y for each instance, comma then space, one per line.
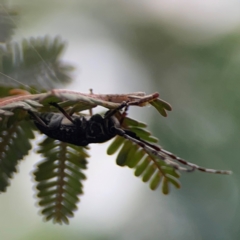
188, 51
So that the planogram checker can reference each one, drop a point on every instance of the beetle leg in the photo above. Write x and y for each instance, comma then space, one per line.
62, 111
115, 110
37, 118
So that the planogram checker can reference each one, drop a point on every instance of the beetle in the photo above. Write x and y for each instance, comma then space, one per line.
75, 129
81, 131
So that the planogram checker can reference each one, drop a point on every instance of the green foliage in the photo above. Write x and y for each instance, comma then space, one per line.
59, 179
151, 170
59, 175
35, 62
14, 146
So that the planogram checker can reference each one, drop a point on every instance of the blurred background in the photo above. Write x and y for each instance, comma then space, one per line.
189, 52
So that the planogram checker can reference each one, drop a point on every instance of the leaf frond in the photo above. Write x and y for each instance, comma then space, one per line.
146, 166
43, 70
59, 179
14, 146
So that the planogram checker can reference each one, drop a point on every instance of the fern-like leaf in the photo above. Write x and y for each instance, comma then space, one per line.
14, 145
59, 179
147, 166
43, 70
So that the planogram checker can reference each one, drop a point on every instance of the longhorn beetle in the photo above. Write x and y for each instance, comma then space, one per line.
81, 131
75, 129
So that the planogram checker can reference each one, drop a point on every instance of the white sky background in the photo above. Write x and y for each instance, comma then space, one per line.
109, 191
218, 15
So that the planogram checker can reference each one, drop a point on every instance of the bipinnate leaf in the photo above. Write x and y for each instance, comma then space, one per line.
59, 179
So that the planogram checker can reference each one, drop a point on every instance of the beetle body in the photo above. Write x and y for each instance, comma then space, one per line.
81, 131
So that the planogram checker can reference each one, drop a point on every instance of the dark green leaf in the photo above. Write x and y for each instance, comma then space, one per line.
156, 181
115, 145
59, 179
12, 150
142, 166
165, 186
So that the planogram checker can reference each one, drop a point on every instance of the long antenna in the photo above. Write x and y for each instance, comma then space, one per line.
15, 80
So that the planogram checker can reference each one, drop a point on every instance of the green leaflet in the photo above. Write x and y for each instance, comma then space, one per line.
165, 186
123, 157
161, 106
142, 166
149, 172
137, 158
174, 181
156, 181
131, 154
117, 142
